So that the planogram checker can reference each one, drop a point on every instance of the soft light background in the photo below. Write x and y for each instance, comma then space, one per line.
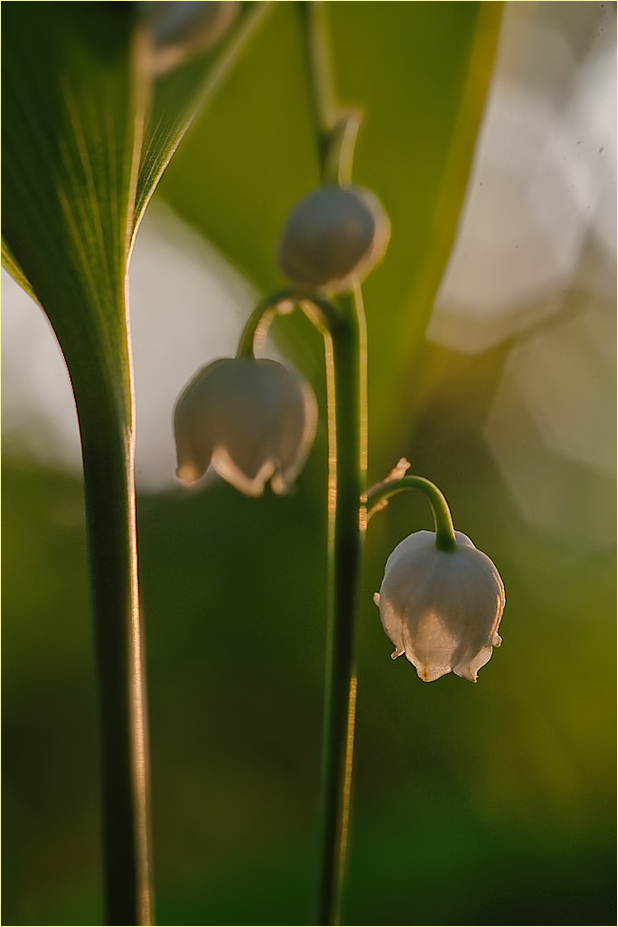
487, 804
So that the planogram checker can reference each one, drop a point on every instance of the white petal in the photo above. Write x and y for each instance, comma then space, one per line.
188, 473
227, 469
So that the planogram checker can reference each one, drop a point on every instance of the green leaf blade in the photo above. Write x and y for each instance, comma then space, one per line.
70, 133
179, 96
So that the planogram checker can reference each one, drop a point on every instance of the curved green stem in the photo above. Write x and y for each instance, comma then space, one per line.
259, 321
320, 311
445, 532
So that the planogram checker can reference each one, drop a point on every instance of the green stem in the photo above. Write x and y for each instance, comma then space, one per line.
345, 343
259, 321
319, 71
445, 532
321, 312
338, 167
342, 323
345, 362
108, 445
336, 127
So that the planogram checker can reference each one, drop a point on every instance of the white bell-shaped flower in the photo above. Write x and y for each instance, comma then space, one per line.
252, 420
441, 608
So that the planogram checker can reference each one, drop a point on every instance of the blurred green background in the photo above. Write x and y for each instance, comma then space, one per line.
486, 804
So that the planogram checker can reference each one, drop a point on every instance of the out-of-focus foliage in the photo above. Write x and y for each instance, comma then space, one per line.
486, 804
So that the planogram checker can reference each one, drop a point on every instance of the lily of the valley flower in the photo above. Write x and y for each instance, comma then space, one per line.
252, 420
441, 608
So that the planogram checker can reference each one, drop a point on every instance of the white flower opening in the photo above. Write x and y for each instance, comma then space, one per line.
251, 420
441, 608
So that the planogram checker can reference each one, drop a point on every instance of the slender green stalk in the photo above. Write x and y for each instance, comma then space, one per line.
336, 127
319, 71
345, 353
378, 495
345, 343
342, 323
108, 445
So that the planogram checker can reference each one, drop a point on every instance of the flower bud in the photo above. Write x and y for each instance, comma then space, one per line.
333, 236
441, 608
252, 420
180, 30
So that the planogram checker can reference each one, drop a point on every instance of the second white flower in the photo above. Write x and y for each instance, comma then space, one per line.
252, 420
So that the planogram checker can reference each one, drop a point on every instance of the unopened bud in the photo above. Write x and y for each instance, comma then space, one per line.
334, 236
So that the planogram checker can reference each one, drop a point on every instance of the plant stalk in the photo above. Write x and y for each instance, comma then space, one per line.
319, 70
108, 445
378, 496
342, 323
345, 349
345, 362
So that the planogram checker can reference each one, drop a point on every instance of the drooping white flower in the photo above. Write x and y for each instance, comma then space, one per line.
333, 236
252, 420
441, 608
